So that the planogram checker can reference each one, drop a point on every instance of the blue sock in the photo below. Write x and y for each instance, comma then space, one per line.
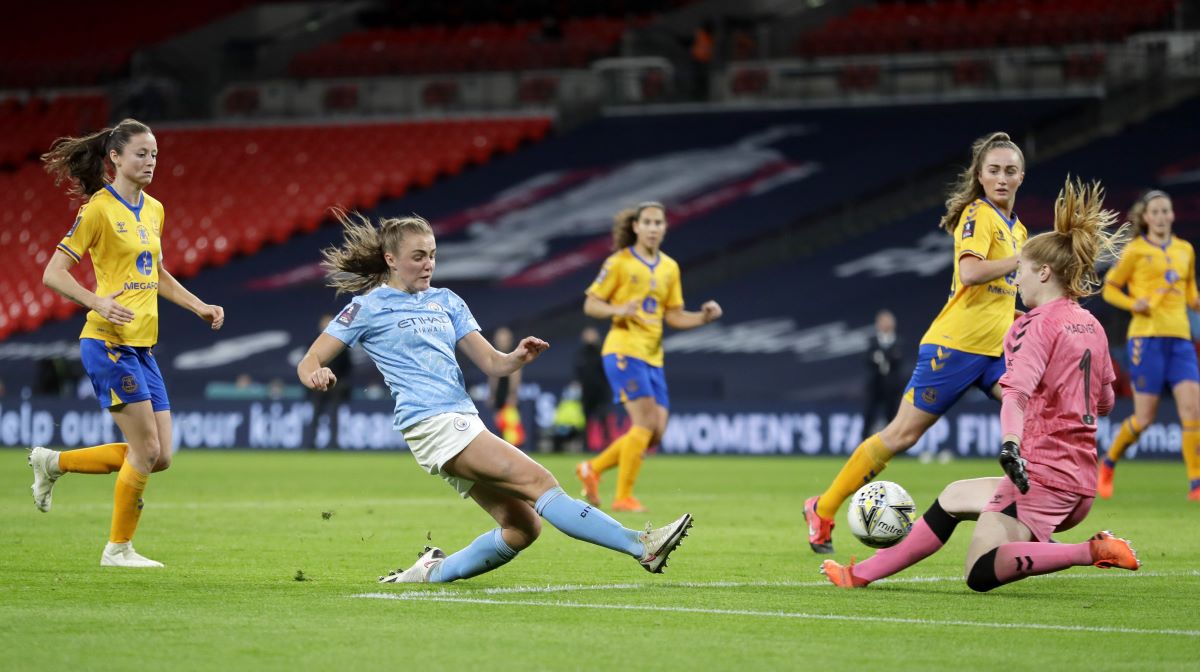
486, 553
577, 519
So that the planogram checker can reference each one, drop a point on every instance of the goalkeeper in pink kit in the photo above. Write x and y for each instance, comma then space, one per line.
1058, 380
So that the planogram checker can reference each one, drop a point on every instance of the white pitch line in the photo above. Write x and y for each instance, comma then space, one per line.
581, 587
426, 597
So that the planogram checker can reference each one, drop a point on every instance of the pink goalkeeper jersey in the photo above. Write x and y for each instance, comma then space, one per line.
1060, 374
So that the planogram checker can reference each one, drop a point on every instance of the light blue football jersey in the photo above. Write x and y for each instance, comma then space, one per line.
411, 338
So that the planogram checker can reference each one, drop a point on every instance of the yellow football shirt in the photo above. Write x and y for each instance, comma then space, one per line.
655, 285
975, 319
125, 242
1164, 275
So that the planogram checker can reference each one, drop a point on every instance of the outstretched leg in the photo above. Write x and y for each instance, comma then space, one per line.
991, 564
491, 461
961, 500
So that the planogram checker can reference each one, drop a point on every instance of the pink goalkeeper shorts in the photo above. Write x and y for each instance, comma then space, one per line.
1044, 510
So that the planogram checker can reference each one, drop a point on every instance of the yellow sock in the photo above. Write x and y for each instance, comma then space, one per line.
870, 458
103, 459
1125, 438
610, 456
127, 503
1191, 449
633, 448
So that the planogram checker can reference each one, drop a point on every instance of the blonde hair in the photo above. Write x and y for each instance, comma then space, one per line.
358, 264
84, 162
1080, 238
1137, 212
967, 189
623, 235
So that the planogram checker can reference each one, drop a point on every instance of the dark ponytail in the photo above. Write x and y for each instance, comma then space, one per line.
84, 162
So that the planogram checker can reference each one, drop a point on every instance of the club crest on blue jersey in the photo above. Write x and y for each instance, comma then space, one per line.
435, 306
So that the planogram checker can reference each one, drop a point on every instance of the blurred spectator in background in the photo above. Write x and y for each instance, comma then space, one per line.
569, 420
594, 391
325, 404
502, 395
884, 384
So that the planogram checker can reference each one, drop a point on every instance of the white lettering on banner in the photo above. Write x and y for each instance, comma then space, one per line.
26, 427
743, 433
774, 335
933, 438
978, 434
1159, 438
367, 431
277, 428
206, 430
933, 254
88, 429
845, 432
232, 350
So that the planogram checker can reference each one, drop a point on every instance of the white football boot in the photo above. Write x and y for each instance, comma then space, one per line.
44, 463
659, 543
123, 555
419, 573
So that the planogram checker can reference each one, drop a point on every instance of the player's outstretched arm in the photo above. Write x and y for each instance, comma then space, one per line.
679, 318
495, 363
312, 369
170, 289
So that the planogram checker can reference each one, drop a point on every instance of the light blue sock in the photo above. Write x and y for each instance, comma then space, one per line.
577, 519
486, 553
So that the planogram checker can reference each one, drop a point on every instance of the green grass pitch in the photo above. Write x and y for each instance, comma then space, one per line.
236, 530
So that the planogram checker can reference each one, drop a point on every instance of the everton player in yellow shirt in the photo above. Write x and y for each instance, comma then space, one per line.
121, 227
1156, 281
639, 289
963, 346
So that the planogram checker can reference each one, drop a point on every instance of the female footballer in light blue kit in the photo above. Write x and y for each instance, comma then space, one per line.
411, 330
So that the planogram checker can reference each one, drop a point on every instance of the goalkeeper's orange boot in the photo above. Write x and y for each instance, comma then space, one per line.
842, 577
1109, 551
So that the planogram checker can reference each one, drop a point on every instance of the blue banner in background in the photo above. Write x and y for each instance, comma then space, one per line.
972, 429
